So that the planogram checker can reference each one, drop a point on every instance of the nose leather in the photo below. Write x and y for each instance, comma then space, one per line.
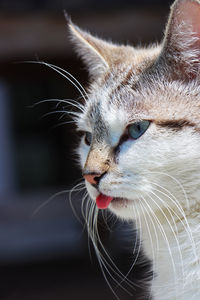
92, 178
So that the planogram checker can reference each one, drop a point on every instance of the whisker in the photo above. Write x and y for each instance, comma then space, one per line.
57, 112
63, 124
41, 206
68, 73
178, 182
144, 212
136, 248
172, 230
92, 212
115, 269
91, 220
70, 102
79, 187
152, 244
75, 83
185, 225
105, 263
163, 234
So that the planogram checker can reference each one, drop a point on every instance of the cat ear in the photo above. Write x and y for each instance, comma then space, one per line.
95, 53
182, 39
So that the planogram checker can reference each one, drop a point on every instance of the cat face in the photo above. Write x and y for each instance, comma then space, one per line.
141, 118
133, 169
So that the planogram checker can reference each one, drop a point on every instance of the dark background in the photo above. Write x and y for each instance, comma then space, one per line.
46, 255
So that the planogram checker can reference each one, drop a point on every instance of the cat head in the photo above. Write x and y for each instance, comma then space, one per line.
141, 145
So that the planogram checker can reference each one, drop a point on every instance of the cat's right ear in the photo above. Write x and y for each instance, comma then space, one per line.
181, 47
95, 52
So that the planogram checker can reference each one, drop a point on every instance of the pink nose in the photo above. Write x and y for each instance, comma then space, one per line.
92, 178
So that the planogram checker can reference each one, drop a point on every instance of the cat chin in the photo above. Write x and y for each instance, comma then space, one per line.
120, 203
124, 209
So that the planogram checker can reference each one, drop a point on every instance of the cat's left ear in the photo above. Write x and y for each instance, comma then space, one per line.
96, 53
181, 48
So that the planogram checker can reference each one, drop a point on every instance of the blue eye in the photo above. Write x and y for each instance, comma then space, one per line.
137, 129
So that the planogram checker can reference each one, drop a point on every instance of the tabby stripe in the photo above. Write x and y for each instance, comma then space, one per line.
125, 80
175, 124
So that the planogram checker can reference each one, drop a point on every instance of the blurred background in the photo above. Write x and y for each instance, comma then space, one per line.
47, 255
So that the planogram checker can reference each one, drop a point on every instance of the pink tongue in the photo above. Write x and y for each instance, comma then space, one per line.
103, 201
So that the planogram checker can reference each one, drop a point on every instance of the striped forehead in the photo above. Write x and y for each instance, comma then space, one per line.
108, 121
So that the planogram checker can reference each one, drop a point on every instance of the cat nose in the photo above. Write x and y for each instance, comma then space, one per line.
92, 178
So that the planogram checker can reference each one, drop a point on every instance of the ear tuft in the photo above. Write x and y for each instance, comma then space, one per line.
182, 38
94, 52
67, 17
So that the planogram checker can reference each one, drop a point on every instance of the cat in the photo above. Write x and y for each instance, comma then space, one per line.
140, 152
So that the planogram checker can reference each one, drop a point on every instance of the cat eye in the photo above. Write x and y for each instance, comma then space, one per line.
137, 129
88, 138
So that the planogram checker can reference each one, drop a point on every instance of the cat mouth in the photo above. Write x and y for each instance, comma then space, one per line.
103, 201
